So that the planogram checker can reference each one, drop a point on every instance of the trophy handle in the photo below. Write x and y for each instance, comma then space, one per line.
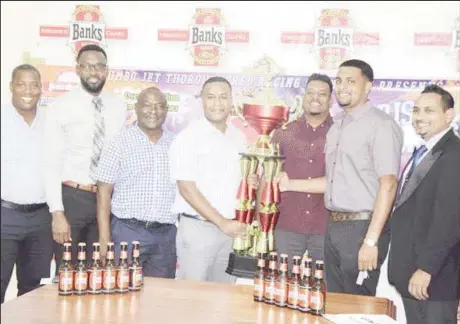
240, 116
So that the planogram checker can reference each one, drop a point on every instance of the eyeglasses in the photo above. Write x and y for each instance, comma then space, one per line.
96, 67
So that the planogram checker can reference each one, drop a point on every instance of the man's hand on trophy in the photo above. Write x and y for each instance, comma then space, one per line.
233, 228
283, 181
253, 181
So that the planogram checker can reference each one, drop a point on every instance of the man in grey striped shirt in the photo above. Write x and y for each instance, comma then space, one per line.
134, 166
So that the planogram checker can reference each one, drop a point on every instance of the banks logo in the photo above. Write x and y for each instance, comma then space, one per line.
206, 37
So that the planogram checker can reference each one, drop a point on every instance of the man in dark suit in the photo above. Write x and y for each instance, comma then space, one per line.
424, 261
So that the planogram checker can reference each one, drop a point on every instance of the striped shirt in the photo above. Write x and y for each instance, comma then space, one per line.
139, 170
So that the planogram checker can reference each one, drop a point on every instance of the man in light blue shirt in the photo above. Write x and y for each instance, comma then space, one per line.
134, 166
26, 238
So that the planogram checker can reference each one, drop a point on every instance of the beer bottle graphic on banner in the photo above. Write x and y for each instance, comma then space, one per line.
123, 269
135, 269
66, 272
95, 271
318, 291
109, 274
81, 273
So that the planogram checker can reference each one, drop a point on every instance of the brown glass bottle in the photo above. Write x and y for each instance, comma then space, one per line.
259, 277
281, 292
303, 303
294, 283
95, 271
66, 272
270, 279
318, 291
135, 269
109, 273
81, 273
123, 269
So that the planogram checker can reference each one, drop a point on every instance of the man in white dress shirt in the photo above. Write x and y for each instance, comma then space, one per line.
77, 126
26, 223
205, 164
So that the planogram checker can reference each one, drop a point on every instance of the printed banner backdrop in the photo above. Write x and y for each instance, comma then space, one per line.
394, 96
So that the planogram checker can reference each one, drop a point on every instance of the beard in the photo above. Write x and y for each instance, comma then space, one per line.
95, 89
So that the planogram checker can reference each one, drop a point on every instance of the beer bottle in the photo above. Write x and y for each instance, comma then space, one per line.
135, 269
281, 292
318, 290
305, 287
66, 271
259, 277
270, 279
123, 269
81, 274
294, 283
109, 273
95, 271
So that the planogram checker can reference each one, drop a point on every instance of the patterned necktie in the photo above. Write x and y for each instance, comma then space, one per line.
98, 138
416, 158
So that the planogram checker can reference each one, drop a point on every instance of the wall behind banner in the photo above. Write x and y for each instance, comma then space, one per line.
395, 58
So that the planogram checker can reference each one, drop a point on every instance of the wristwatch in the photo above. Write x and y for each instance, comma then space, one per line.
370, 242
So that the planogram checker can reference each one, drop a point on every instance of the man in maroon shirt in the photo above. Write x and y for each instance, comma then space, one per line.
303, 216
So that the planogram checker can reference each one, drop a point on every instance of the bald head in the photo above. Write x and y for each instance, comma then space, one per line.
151, 109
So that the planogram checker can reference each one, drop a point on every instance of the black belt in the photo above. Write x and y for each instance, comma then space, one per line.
192, 217
22, 208
145, 224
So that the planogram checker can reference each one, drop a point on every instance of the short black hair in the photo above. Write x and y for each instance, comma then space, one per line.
214, 80
446, 98
320, 77
91, 47
24, 67
365, 68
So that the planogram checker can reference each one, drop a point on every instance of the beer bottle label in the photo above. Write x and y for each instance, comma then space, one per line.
258, 288
136, 253
281, 293
123, 279
269, 290
81, 280
293, 294
316, 300
135, 278
109, 279
304, 298
65, 281
95, 279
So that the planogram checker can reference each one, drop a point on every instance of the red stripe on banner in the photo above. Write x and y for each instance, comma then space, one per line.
297, 38
432, 39
173, 35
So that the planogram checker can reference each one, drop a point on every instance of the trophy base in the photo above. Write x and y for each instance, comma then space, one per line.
243, 266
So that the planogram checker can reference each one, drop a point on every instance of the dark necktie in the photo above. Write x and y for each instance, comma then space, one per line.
416, 158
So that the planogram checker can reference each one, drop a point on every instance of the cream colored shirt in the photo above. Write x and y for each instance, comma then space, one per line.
203, 154
69, 138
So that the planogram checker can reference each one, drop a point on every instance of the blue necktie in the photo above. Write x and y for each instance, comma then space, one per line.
416, 158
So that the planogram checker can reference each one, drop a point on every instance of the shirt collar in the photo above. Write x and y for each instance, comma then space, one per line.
16, 115
144, 136
356, 113
327, 122
435, 139
210, 128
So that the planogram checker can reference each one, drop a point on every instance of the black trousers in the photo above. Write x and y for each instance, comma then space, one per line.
430, 312
26, 241
80, 211
341, 247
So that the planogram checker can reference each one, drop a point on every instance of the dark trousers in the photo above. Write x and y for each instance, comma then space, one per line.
295, 244
157, 245
26, 241
80, 211
341, 247
430, 312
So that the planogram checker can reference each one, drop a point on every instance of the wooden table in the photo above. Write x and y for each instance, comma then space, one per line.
172, 301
